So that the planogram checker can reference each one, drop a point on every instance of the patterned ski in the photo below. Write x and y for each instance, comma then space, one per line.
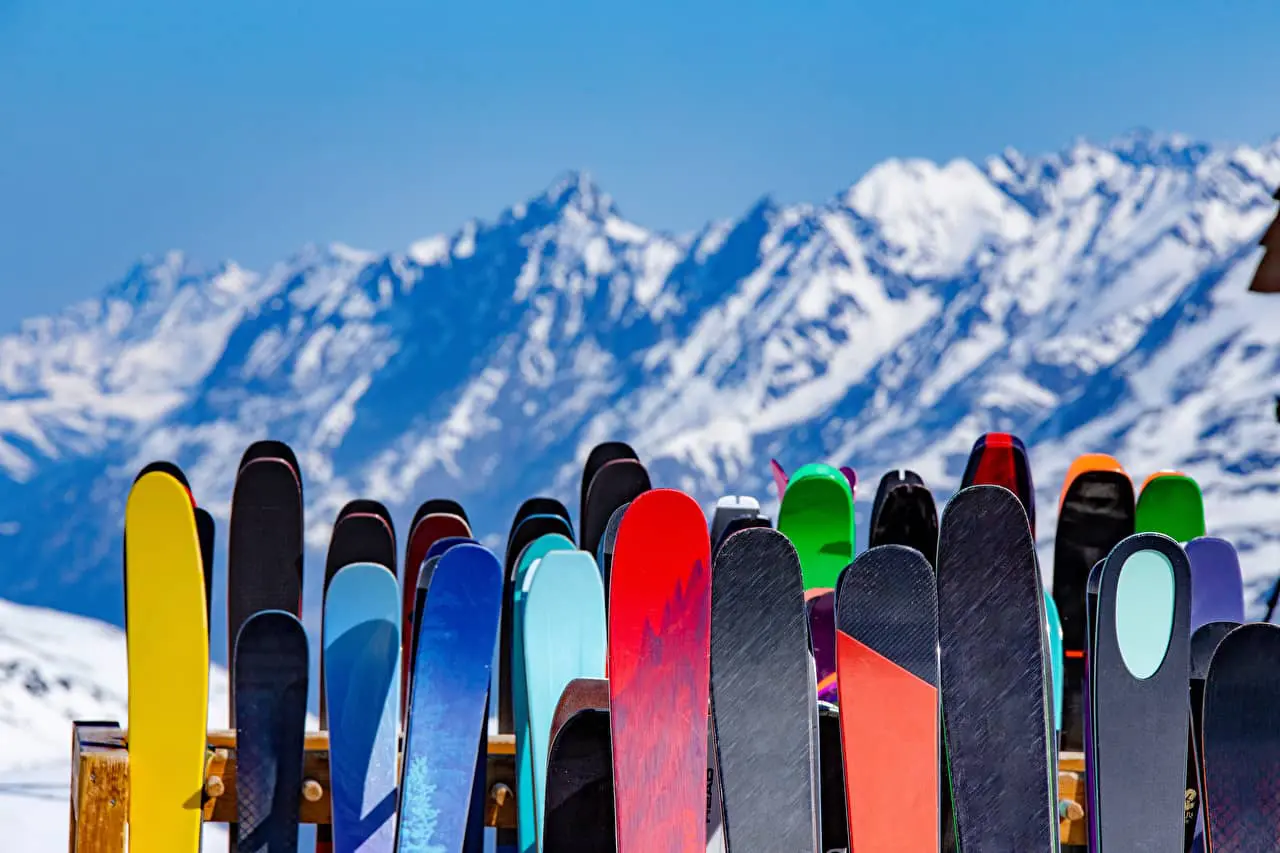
600, 455
995, 693
887, 640
659, 635
579, 816
817, 516
616, 483
362, 682
1170, 503
1000, 459
437, 550
1095, 512
428, 528
1217, 590
821, 610
905, 514
264, 557
168, 667
564, 635
457, 639
270, 674
762, 695
530, 556
1138, 690
744, 523
1242, 741
1204, 642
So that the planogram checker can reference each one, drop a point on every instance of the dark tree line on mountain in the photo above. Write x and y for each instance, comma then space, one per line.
1267, 277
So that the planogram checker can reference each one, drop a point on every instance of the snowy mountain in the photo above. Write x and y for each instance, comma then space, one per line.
1092, 299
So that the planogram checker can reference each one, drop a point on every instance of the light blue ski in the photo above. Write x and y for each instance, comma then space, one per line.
1053, 627
565, 634
362, 692
530, 556
457, 636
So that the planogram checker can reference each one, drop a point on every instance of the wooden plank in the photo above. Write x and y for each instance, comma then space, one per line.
99, 788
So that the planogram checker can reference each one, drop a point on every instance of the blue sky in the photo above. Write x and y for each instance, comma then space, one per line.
246, 129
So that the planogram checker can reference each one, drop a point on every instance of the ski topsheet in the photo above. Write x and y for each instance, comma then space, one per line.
659, 635
579, 816
457, 638
427, 529
1204, 642
167, 643
762, 695
1170, 503
817, 516
1000, 459
995, 698
887, 639
581, 694
1095, 512
600, 455
821, 610
362, 682
1242, 741
264, 559
1217, 590
270, 674
1138, 694
905, 514
564, 637
727, 509
616, 483
530, 556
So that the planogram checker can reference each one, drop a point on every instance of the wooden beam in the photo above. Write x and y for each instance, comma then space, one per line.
100, 785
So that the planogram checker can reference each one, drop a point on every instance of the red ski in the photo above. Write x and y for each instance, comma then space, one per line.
659, 673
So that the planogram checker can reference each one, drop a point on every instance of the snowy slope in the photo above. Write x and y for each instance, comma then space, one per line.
56, 668
1089, 299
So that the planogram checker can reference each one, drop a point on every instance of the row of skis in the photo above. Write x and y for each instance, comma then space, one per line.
678, 683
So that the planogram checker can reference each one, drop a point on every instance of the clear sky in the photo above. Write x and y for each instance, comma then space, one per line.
246, 128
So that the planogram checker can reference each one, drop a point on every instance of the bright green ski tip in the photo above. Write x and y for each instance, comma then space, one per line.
817, 516
1170, 503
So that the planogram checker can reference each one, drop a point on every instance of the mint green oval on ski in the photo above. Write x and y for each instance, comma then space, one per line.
1144, 612
528, 820
817, 516
1171, 503
565, 634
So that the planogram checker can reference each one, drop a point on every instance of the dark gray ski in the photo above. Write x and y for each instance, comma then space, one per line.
579, 816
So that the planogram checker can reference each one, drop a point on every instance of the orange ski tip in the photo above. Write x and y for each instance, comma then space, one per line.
1163, 472
1085, 463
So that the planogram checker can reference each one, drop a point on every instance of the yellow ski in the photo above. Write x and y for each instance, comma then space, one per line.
168, 648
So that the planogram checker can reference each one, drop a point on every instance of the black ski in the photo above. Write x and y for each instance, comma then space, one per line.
579, 807
616, 483
907, 515
600, 455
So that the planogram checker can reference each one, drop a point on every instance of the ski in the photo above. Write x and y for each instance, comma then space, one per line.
428, 528
887, 659
564, 635
834, 818
270, 674
581, 694
616, 483
820, 607
167, 643
817, 516
905, 514
1242, 741
1095, 512
761, 682
1000, 459
727, 509
579, 816
1138, 694
995, 697
1217, 590
1204, 642
659, 635
1170, 503
361, 633
600, 455
457, 639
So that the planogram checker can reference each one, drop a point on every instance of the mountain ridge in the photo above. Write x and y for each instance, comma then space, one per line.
1079, 298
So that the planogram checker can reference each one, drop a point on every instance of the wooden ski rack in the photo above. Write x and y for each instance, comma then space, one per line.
100, 785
